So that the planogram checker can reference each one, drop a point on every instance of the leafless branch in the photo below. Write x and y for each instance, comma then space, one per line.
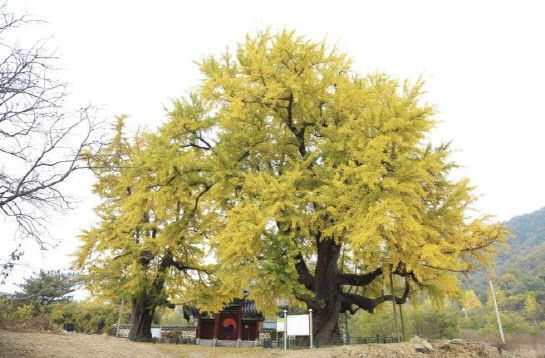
41, 141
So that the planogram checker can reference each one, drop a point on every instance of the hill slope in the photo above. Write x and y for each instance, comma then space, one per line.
527, 251
525, 259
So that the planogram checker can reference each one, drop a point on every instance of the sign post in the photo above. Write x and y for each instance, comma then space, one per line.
119, 318
298, 325
310, 327
285, 330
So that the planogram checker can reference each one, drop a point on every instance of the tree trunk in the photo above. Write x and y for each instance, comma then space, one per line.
141, 318
143, 306
325, 325
329, 300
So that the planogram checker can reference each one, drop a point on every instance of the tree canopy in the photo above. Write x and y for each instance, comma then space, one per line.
150, 242
302, 179
47, 287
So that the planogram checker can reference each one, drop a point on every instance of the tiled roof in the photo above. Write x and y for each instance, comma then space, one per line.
248, 306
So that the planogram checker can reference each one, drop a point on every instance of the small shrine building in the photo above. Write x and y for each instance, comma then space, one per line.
238, 321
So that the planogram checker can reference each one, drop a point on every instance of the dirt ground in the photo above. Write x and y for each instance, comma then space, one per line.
73, 345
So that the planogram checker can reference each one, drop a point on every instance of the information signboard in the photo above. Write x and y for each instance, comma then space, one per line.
298, 325
280, 324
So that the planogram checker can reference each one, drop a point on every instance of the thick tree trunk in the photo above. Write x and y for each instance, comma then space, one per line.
141, 319
325, 327
326, 319
143, 306
329, 300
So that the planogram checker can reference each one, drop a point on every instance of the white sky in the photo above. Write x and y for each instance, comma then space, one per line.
483, 61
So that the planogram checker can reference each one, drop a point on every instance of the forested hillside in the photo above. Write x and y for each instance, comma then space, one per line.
527, 248
519, 269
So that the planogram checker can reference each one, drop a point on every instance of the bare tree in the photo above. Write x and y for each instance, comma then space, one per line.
41, 142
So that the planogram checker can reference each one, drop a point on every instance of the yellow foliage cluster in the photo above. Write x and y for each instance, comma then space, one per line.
284, 147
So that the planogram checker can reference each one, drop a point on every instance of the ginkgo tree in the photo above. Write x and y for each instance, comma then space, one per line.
330, 187
149, 243
293, 177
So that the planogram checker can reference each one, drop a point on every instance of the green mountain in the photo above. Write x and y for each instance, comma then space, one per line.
527, 248
520, 268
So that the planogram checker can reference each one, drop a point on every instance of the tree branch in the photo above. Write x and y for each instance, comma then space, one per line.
369, 304
305, 277
358, 279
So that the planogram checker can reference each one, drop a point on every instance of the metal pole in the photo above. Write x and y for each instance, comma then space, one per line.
285, 330
310, 327
416, 317
394, 307
402, 322
497, 312
346, 328
119, 318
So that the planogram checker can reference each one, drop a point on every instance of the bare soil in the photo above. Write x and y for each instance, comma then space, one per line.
73, 345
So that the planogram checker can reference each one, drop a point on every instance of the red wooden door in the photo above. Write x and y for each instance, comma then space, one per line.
249, 330
206, 328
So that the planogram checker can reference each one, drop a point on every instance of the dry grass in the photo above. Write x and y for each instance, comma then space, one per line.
73, 345
527, 345
40, 324
524, 345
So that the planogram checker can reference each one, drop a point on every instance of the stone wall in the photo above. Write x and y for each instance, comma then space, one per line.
167, 333
178, 334
123, 330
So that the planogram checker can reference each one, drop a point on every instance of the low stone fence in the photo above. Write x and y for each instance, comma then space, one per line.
168, 334
123, 330
266, 334
178, 334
